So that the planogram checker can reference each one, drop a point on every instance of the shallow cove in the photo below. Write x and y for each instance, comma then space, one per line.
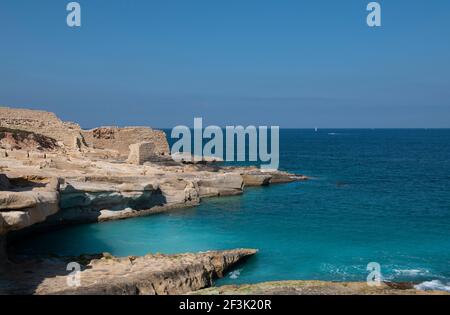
376, 195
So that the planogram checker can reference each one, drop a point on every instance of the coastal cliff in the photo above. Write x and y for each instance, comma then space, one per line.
70, 136
53, 173
153, 274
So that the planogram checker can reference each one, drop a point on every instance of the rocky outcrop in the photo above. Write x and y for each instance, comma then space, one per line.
317, 288
39, 191
280, 177
47, 126
55, 173
14, 139
120, 139
27, 202
221, 185
52, 202
256, 177
112, 191
95, 199
147, 275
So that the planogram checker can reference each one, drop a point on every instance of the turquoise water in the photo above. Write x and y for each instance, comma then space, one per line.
375, 196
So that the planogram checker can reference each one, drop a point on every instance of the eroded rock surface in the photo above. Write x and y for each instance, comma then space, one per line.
83, 176
316, 288
14, 139
26, 201
54, 173
103, 274
41, 125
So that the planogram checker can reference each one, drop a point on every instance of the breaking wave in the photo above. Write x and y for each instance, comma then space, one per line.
433, 285
411, 272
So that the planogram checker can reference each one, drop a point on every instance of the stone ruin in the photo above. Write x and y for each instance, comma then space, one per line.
142, 152
98, 142
120, 139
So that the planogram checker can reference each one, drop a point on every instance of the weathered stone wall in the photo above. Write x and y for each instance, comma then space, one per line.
120, 139
141, 152
72, 136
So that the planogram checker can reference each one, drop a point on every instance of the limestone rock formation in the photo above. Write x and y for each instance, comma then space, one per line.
92, 184
66, 190
34, 120
120, 139
285, 177
86, 199
14, 139
317, 288
54, 173
256, 179
72, 137
221, 185
147, 275
27, 202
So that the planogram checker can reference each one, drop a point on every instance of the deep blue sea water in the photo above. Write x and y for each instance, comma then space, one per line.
375, 196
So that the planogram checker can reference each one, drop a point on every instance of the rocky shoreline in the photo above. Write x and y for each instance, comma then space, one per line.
302, 287
53, 173
153, 274
90, 176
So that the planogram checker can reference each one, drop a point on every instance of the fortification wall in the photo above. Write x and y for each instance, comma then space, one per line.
120, 139
72, 136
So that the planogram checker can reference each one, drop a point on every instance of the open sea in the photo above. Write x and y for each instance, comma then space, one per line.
374, 196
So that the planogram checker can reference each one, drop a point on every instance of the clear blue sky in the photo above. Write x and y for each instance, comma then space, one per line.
264, 62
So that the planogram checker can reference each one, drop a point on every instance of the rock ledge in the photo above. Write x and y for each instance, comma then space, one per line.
153, 274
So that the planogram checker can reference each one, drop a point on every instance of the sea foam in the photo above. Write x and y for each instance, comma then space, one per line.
411, 272
433, 285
